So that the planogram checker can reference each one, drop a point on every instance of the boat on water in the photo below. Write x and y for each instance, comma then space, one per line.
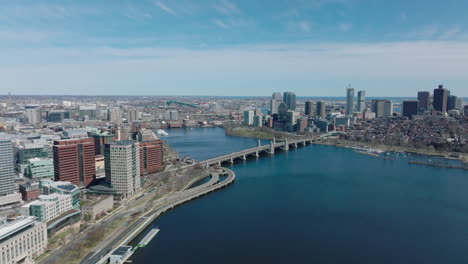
162, 133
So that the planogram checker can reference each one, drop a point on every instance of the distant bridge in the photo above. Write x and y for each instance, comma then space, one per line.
257, 151
181, 104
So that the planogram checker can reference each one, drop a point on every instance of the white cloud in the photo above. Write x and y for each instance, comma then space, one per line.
403, 16
105, 68
227, 8
305, 26
345, 27
136, 14
220, 23
451, 32
425, 32
165, 8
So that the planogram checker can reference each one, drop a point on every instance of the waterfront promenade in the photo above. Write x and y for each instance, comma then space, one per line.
101, 254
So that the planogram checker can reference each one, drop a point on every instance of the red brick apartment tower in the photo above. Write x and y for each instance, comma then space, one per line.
151, 157
74, 161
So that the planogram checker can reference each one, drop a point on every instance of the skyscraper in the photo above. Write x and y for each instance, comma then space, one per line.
349, 101
74, 161
320, 109
132, 115
114, 115
277, 96
451, 102
410, 108
424, 100
289, 99
274, 104
34, 115
308, 108
361, 101
382, 108
388, 108
7, 176
459, 103
440, 99
122, 166
151, 157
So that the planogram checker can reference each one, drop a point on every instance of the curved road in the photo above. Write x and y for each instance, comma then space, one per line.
168, 203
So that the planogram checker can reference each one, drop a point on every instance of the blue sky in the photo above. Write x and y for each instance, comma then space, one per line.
228, 47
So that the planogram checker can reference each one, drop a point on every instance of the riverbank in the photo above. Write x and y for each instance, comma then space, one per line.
258, 133
348, 144
268, 134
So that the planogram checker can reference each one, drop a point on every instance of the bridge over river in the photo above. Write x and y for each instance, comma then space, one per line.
257, 151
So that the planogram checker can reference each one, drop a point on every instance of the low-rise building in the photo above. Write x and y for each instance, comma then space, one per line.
21, 239
39, 169
48, 207
10, 199
62, 187
98, 206
29, 191
119, 255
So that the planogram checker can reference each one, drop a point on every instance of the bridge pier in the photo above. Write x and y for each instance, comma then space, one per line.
219, 163
256, 153
295, 144
272, 147
244, 157
286, 145
232, 160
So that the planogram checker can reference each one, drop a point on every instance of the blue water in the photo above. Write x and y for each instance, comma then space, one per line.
318, 204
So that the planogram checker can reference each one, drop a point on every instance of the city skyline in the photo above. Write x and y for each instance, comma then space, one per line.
227, 47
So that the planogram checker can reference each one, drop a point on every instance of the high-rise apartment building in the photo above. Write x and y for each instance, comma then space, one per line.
424, 100
410, 108
74, 161
349, 101
151, 157
172, 115
320, 109
440, 99
132, 115
277, 96
114, 115
34, 115
361, 101
274, 104
308, 108
289, 99
122, 165
248, 117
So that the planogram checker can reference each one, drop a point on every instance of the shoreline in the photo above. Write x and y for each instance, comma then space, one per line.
268, 134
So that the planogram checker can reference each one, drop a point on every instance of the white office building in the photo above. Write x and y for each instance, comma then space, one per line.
122, 166
21, 240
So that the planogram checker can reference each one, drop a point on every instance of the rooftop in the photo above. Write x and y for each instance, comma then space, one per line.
10, 227
122, 250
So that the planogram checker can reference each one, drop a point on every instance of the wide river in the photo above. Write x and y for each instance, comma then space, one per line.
314, 204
